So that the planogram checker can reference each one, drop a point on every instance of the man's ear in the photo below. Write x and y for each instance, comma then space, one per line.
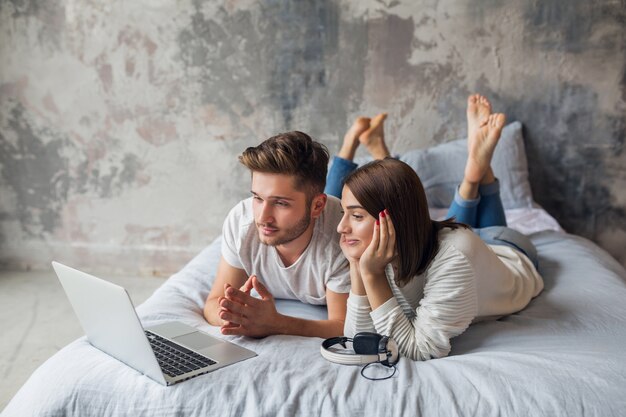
317, 205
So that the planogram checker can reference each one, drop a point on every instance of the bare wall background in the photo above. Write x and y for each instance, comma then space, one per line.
120, 122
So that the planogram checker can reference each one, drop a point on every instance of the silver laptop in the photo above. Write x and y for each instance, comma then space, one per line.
168, 353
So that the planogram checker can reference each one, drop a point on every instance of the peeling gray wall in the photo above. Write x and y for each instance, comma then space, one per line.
120, 122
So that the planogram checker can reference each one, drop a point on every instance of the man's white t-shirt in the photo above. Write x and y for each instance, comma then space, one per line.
322, 264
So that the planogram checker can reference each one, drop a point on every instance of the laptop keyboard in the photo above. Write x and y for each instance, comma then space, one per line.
175, 359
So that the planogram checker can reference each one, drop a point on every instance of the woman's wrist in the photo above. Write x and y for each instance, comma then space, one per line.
355, 278
368, 275
377, 289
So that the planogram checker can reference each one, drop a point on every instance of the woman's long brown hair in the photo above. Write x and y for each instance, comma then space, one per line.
393, 185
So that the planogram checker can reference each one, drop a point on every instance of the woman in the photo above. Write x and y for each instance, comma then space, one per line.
420, 281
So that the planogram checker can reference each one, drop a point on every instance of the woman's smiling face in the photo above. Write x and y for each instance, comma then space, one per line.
356, 226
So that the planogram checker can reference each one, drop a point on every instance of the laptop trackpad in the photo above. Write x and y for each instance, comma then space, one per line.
196, 340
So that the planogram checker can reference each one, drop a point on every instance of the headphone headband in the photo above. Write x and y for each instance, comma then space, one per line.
336, 341
368, 348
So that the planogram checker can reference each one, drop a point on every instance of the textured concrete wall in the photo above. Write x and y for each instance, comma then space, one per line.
120, 121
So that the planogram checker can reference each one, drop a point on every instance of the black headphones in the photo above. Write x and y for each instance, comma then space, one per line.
368, 348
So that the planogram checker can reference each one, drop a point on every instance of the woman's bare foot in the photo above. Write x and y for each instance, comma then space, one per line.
478, 109
351, 139
374, 137
481, 145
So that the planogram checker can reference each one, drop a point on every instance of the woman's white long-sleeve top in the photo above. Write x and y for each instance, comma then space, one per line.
467, 281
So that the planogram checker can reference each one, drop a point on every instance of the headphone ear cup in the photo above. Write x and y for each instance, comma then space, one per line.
366, 343
393, 354
382, 344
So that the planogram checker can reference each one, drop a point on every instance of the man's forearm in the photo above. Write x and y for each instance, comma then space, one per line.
310, 328
211, 312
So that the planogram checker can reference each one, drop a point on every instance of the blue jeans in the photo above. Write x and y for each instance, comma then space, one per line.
484, 211
485, 214
339, 170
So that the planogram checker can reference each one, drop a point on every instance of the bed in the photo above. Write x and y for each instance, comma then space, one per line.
563, 355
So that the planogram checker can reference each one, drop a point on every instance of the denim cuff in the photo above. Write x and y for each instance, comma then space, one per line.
337, 173
461, 202
489, 189
343, 164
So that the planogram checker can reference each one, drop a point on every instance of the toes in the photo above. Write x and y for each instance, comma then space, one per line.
378, 119
361, 123
485, 102
375, 125
499, 120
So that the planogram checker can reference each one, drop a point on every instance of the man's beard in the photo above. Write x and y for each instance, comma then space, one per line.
288, 235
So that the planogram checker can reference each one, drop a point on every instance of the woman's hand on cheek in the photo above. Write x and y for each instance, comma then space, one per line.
381, 249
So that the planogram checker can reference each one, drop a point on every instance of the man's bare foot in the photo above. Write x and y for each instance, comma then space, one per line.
481, 145
374, 137
351, 139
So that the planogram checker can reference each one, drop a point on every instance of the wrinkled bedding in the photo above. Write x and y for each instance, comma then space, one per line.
564, 355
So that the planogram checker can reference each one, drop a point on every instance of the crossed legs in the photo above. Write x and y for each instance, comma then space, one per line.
477, 200
364, 131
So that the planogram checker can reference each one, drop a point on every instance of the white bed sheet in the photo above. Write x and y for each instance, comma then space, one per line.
563, 355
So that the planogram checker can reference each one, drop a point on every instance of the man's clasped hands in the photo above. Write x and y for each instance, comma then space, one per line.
245, 315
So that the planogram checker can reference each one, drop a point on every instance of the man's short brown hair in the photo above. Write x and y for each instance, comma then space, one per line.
291, 153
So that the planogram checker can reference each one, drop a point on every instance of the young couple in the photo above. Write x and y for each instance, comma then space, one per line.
420, 281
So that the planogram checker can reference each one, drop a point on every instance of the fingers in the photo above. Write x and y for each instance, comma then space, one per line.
235, 331
387, 246
233, 319
231, 313
391, 236
375, 236
232, 331
239, 296
231, 328
223, 303
260, 288
228, 325
231, 306
241, 313
247, 286
382, 244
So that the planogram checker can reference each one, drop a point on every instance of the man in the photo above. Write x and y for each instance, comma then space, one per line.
282, 242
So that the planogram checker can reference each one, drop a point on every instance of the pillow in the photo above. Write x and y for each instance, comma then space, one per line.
441, 169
